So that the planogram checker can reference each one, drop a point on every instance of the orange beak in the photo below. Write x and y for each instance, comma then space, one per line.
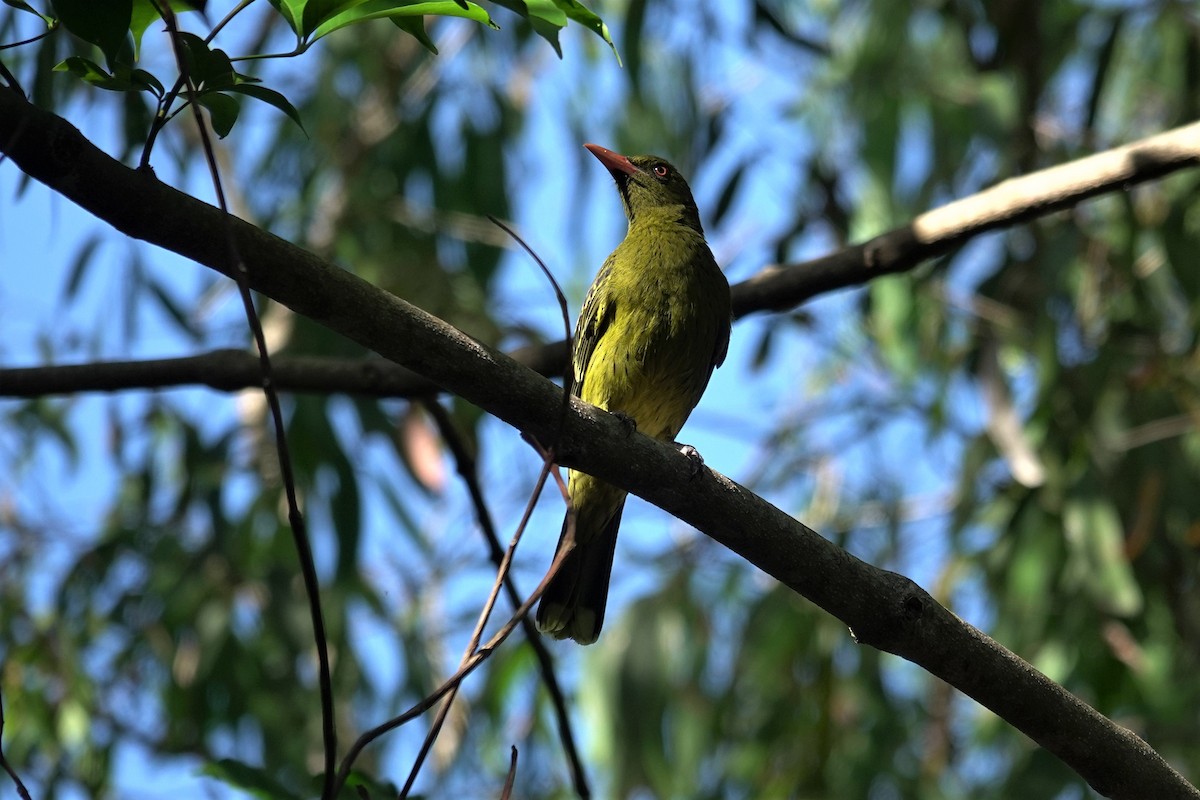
613, 162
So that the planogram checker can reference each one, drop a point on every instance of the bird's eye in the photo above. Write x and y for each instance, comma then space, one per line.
661, 170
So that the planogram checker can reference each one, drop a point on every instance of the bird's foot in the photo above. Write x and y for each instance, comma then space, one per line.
629, 422
693, 457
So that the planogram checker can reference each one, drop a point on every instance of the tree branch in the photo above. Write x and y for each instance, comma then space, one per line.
775, 288
883, 609
939, 231
230, 370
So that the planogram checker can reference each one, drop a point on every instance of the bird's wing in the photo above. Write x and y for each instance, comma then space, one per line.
722, 348
599, 309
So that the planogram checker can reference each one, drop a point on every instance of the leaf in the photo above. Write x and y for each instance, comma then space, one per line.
145, 12
21, 5
223, 110
178, 312
208, 69
581, 14
136, 118
366, 785
1093, 530
346, 508
83, 259
103, 23
415, 27
147, 82
891, 317
91, 72
635, 19
305, 15
270, 97
256, 781
122, 79
725, 200
546, 18
292, 12
391, 9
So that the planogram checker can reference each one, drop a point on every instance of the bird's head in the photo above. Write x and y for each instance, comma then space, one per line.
649, 187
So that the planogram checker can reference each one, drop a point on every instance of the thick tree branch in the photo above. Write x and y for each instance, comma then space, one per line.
939, 231
883, 609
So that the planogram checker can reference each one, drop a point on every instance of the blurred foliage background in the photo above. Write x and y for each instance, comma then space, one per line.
1014, 426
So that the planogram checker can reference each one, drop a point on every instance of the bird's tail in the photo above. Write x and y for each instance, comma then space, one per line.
572, 606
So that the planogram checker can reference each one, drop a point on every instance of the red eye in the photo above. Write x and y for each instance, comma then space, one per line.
661, 171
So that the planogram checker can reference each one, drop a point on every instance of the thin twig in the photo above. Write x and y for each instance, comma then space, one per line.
226, 20
50, 28
512, 776
502, 573
480, 655
295, 517
466, 465
569, 368
12, 773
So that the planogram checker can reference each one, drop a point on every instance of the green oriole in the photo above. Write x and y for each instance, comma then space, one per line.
654, 326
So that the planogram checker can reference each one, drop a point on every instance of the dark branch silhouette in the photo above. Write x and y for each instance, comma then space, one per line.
231, 370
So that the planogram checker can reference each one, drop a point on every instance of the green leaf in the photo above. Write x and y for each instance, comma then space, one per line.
255, 781
21, 5
147, 81
292, 12
1093, 529
91, 72
270, 97
224, 110
145, 13
365, 785
725, 200
580, 13
122, 79
391, 9
103, 23
548, 17
317, 11
209, 69
891, 317
178, 312
79, 266
415, 27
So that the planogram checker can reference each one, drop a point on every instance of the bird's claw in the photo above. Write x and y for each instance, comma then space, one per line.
629, 422
694, 458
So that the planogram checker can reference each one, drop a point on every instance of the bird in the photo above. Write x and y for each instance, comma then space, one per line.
654, 326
